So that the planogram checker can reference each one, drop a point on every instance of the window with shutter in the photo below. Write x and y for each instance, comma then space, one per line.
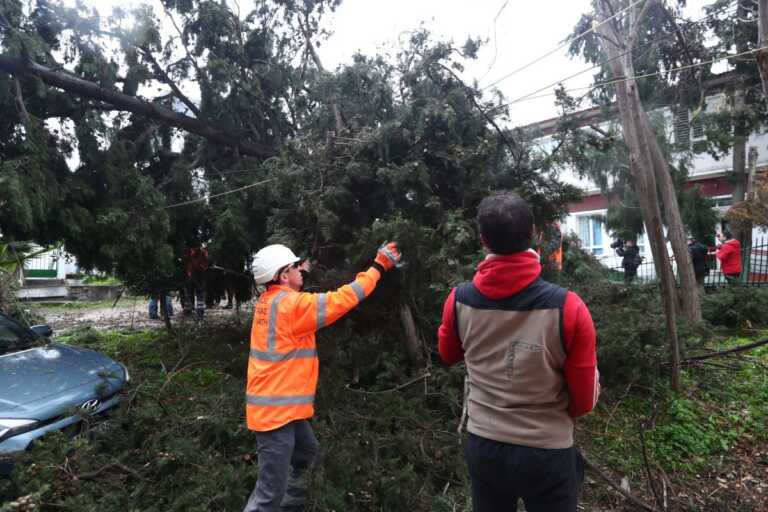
697, 129
682, 127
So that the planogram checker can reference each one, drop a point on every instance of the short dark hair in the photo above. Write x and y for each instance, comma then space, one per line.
727, 234
506, 223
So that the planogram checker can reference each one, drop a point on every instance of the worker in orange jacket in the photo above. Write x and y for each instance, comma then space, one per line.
551, 244
283, 368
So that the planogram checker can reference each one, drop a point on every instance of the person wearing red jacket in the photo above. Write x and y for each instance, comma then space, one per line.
729, 254
529, 349
195, 265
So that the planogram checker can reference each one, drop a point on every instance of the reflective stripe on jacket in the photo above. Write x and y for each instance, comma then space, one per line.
283, 364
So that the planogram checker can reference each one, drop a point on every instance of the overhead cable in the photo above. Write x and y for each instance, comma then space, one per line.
635, 77
563, 45
530, 95
238, 189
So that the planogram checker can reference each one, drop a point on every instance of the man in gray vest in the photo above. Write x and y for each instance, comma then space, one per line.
529, 348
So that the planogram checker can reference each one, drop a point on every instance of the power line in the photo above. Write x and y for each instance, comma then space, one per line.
562, 45
636, 77
688, 25
592, 87
238, 189
495, 39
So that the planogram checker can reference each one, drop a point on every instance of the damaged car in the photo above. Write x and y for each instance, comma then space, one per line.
47, 386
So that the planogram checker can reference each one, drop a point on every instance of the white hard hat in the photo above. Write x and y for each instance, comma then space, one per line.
269, 260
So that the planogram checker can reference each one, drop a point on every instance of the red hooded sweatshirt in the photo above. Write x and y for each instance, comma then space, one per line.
498, 277
729, 255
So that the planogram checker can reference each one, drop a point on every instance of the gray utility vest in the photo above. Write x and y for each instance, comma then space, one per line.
514, 352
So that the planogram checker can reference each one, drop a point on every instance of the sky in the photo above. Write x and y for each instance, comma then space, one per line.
517, 32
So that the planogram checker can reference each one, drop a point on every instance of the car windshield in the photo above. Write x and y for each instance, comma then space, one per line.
14, 337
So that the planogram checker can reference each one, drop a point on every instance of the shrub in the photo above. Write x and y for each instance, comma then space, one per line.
736, 306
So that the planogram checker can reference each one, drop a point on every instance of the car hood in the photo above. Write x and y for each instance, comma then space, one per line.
45, 381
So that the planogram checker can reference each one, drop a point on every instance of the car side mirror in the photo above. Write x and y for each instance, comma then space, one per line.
42, 330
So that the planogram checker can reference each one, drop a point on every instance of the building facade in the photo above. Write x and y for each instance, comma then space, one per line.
586, 219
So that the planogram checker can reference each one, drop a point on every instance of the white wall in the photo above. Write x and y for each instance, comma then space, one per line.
701, 165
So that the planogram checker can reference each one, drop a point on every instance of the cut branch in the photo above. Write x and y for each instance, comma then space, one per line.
90, 90
742, 348
591, 466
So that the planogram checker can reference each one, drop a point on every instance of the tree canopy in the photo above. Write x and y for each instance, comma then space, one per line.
132, 136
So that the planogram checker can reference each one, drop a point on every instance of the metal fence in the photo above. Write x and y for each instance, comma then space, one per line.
754, 268
44, 265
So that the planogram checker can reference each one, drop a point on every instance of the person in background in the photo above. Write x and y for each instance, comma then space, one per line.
195, 264
630, 258
166, 307
729, 254
550, 242
529, 349
283, 368
698, 253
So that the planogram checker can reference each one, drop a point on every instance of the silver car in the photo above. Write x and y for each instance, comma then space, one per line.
47, 386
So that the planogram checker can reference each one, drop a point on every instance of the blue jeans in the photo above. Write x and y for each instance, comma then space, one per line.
167, 308
286, 456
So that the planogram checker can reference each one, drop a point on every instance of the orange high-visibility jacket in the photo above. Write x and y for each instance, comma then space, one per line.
283, 364
554, 245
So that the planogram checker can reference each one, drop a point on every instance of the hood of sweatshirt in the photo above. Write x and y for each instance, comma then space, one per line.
500, 276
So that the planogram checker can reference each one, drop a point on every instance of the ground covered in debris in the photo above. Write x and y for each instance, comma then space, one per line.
129, 312
389, 434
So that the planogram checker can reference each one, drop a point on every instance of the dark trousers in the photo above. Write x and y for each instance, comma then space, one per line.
286, 455
193, 298
501, 473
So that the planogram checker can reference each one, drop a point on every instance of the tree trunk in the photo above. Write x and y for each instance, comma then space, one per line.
739, 155
413, 343
639, 140
746, 262
641, 168
688, 292
762, 41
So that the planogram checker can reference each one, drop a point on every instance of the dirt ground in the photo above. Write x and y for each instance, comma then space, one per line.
128, 313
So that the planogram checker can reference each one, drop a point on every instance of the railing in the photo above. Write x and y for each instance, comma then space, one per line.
43, 265
754, 269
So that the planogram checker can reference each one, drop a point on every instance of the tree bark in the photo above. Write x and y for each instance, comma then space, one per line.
413, 343
86, 89
762, 42
739, 155
688, 292
639, 140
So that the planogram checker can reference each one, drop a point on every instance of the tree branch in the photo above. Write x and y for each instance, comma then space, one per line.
86, 89
165, 78
734, 350
20, 102
591, 466
200, 75
471, 95
638, 20
339, 123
